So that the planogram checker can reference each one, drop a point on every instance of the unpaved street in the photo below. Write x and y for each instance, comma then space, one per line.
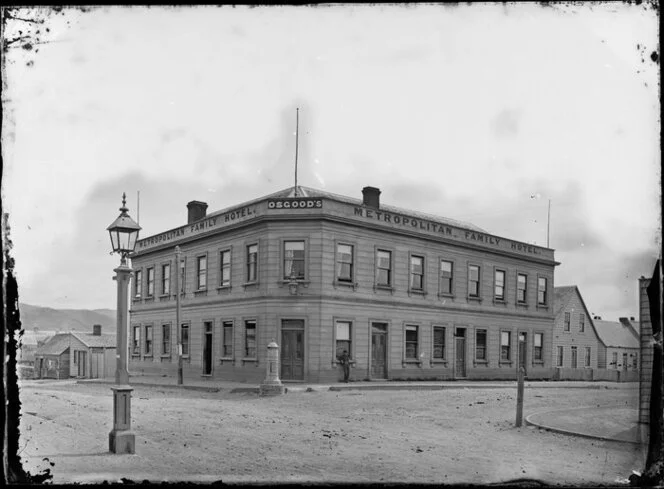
445, 436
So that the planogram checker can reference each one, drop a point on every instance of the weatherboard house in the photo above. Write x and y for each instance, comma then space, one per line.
408, 295
76, 354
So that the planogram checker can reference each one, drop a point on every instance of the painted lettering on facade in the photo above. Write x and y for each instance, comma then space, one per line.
198, 227
447, 231
295, 203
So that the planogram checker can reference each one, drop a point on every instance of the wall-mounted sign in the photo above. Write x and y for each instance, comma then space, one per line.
295, 203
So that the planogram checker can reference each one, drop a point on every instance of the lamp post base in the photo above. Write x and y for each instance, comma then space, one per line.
121, 439
121, 442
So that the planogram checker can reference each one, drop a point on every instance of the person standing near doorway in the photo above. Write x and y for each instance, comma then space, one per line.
344, 359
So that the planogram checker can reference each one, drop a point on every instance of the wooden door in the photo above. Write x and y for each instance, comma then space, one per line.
378, 351
81, 363
292, 354
207, 350
96, 362
460, 356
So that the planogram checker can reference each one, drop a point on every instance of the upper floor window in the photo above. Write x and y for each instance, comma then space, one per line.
541, 291
416, 272
150, 272
225, 268
293, 259
252, 262
201, 273
521, 287
582, 322
384, 268
183, 275
567, 321
473, 281
138, 283
344, 263
446, 277
166, 278
499, 285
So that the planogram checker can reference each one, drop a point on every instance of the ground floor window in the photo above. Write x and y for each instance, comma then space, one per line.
635, 361
184, 339
411, 342
574, 354
227, 341
250, 339
148, 340
559, 356
480, 344
438, 343
343, 335
136, 340
587, 361
165, 339
537, 347
505, 344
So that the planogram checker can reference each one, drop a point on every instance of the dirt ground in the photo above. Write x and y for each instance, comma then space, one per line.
442, 436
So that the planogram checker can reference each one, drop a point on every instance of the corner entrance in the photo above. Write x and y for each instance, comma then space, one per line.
460, 353
292, 349
379, 350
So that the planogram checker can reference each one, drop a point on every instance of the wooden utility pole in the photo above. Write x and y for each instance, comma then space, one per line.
177, 313
519, 396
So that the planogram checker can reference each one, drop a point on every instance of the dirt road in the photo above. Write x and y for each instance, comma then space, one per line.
447, 436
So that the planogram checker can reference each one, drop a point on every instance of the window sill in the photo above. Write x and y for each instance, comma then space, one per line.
419, 292
472, 298
484, 362
250, 360
446, 296
250, 284
411, 362
224, 288
299, 281
522, 304
200, 292
501, 302
543, 306
149, 298
147, 356
439, 362
136, 355
164, 297
226, 359
341, 283
387, 288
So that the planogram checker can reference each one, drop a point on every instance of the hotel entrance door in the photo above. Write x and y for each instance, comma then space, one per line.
292, 349
379, 351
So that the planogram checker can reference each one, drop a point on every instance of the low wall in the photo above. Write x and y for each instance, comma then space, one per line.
595, 374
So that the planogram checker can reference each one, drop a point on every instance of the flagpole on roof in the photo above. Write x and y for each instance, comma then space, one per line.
297, 124
548, 222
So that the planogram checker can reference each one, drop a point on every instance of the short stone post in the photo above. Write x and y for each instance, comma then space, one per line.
272, 386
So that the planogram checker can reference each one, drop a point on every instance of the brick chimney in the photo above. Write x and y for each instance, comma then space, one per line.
625, 321
371, 197
96, 330
196, 211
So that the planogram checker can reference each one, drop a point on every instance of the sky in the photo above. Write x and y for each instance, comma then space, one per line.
483, 113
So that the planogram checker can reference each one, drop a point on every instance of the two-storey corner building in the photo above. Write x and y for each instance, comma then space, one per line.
408, 295
576, 345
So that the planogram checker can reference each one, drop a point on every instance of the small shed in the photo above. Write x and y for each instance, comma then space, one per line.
75, 354
619, 349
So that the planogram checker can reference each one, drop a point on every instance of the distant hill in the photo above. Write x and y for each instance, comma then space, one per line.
48, 319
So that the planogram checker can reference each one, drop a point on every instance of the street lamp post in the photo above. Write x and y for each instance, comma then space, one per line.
124, 233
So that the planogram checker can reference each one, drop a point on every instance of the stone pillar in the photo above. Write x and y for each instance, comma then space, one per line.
272, 386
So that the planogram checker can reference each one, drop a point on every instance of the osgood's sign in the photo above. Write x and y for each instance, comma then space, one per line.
295, 203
